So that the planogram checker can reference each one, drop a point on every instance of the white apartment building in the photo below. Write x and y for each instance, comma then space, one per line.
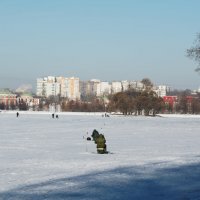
72, 88
125, 85
50, 79
62, 81
138, 85
116, 86
41, 86
96, 87
52, 89
162, 90
105, 88
53, 86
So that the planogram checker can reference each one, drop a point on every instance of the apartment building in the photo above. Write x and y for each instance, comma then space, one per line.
105, 88
116, 86
162, 90
72, 88
62, 81
41, 87
125, 85
52, 89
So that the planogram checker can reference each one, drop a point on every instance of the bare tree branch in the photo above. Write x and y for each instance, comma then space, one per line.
194, 52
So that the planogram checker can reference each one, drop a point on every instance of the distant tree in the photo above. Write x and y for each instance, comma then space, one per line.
147, 83
137, 102
168, 108
149, 102
12, 106
195, 106
157, 105
22, 105
88, 97
194, 52
179, 92
139, 105
122, 102
182, 106
2, 106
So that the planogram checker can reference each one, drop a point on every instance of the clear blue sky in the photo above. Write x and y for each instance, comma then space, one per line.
104, 39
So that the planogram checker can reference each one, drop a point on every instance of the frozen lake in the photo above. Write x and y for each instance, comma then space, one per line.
150, 157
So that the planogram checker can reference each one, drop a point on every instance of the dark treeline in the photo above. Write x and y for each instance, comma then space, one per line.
95, 105
185, 104
136, 102
21, 105
148, 103
130, 102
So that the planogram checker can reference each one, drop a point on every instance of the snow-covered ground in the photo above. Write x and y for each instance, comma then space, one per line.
150, 157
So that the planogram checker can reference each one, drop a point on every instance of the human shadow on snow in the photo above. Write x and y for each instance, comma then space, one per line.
125, 183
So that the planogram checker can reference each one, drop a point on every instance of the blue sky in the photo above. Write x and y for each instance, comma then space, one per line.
104, 39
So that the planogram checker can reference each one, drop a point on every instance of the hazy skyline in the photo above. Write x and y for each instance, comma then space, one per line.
104, 39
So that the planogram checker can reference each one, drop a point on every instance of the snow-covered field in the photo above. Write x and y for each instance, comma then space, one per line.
150, 157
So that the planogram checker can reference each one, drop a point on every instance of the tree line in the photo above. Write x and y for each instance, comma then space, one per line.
136, 102
21, 105
130, 102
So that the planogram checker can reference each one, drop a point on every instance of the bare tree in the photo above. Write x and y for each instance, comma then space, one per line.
194, 52
147, 83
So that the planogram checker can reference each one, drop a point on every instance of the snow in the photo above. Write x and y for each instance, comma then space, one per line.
150, 157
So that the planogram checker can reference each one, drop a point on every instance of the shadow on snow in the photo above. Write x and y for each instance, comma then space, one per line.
135, 182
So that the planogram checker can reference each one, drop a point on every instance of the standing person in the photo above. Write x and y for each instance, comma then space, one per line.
17, 114
53, 115
57, 116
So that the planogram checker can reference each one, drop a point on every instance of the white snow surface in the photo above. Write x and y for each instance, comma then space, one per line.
149, 157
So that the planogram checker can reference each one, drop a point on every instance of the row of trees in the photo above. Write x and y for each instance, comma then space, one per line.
148, 103
134, 102
129, 102
18, 106
184, 105
95, 105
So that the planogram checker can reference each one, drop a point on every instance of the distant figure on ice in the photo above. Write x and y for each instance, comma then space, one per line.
17, 114
57, 116
106, 115
53, 115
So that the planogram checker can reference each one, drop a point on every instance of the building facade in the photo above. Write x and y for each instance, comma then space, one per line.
116, 86
7, 98
72, 88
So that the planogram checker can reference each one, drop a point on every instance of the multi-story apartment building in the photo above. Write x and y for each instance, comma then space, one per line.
137, 85
162, 90
62, 81
72, 88
52, 89
96, 87
125, 85
116, 86
53, 86
44, 84
41, 86
105, 88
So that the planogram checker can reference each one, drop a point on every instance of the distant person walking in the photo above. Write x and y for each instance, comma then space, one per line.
53, 115
17, 114
57, 116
